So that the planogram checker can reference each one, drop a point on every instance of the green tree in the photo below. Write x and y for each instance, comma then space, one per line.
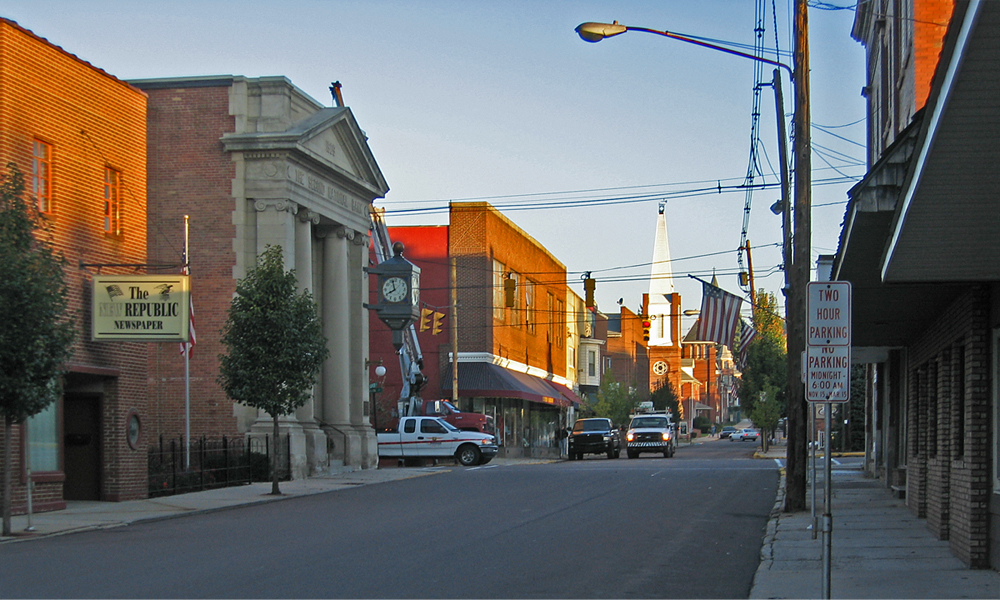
614, 401
275, 343
36, 335
766, 361
665, 398
766, 414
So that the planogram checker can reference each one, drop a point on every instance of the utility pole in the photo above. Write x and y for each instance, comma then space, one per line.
795, 303
454, 331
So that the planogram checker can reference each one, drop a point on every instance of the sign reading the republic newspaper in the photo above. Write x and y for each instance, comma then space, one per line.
143, 308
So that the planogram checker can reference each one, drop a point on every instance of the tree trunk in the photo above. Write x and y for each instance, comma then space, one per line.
274, 460
8, 434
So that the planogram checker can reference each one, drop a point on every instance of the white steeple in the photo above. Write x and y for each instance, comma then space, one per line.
661, 285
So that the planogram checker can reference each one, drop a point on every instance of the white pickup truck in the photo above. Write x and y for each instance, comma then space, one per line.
433, 437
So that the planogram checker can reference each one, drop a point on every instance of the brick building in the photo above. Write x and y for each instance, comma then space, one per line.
512, 362
921, 247
257, 162
78, 135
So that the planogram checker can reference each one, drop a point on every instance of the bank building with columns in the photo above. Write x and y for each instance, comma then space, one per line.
257, 162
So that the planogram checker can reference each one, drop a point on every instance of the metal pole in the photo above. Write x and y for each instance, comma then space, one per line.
827, 500
31, 483
187, 365
812, 429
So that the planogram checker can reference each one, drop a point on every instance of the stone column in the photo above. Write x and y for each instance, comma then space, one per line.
317, 457
361, 406
275, 226
345, 445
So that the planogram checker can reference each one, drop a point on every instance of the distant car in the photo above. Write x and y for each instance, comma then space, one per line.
594, 436
742, 435
726, 432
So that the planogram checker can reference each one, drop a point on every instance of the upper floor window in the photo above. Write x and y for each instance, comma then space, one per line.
112, 201
498, 290
41, 175
529, 304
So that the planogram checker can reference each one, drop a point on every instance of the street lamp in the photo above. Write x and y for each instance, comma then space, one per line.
797, 244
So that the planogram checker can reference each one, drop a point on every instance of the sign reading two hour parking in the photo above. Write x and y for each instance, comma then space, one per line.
828, 342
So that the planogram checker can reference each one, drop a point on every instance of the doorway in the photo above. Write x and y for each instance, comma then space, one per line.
82, 446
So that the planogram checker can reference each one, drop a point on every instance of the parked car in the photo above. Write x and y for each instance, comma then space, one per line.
432, 437
594, 436
743, 435
727, 431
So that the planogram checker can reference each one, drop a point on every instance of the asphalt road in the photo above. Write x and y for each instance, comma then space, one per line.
685, 527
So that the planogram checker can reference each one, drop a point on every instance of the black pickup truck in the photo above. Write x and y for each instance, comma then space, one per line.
594, 436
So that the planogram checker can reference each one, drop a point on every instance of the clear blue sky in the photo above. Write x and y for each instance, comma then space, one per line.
467, 99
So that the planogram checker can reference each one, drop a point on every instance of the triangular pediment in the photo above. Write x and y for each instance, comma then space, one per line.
330, 139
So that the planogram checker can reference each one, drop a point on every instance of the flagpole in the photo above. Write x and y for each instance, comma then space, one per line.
187, 362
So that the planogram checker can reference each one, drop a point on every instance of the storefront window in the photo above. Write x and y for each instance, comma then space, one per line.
543, 428
43, 440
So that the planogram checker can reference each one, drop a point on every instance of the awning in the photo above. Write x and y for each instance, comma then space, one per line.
493, 381
566, 392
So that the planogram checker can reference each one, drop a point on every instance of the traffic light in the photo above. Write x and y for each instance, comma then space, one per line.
588, 289
509, 287
646, 324
425, 318
744, 278
436, 329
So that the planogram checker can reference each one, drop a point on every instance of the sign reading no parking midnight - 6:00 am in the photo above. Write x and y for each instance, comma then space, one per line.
140, 308
828, 342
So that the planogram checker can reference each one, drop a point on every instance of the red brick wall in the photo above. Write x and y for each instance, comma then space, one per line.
427, 248
190, 175
930, 24
480, 234
952, 490
91, 120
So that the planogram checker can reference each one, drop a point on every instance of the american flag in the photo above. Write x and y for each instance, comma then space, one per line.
747, 334
188, 346
720, 312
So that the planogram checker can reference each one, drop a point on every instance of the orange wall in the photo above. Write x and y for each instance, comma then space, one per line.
91, 119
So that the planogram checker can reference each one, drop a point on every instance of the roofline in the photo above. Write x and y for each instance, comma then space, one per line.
32, 34
944, 85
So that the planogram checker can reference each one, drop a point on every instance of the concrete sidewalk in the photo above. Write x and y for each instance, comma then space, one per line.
879, 549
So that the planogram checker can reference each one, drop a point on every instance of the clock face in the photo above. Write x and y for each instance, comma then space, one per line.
659, 367
394, 289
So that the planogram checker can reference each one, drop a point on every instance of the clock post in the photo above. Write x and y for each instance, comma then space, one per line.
398, 293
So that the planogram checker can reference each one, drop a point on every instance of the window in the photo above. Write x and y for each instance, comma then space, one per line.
592, 363
560, 331
43, 440
41, 175
112, 201
498, 292
529, 304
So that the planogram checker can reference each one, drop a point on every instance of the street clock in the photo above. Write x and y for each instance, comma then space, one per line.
398, 291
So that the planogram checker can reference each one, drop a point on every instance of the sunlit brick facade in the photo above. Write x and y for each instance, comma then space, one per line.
78, 135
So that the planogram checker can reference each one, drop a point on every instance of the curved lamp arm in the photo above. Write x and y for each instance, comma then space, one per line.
595, 32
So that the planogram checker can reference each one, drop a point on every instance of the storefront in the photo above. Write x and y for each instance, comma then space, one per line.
530, 413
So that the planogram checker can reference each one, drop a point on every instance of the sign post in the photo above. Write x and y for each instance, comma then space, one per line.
828, 379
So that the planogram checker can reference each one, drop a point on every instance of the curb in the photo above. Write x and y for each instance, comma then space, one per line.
767, 546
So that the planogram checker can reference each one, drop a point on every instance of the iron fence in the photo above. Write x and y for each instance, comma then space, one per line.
214, 463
